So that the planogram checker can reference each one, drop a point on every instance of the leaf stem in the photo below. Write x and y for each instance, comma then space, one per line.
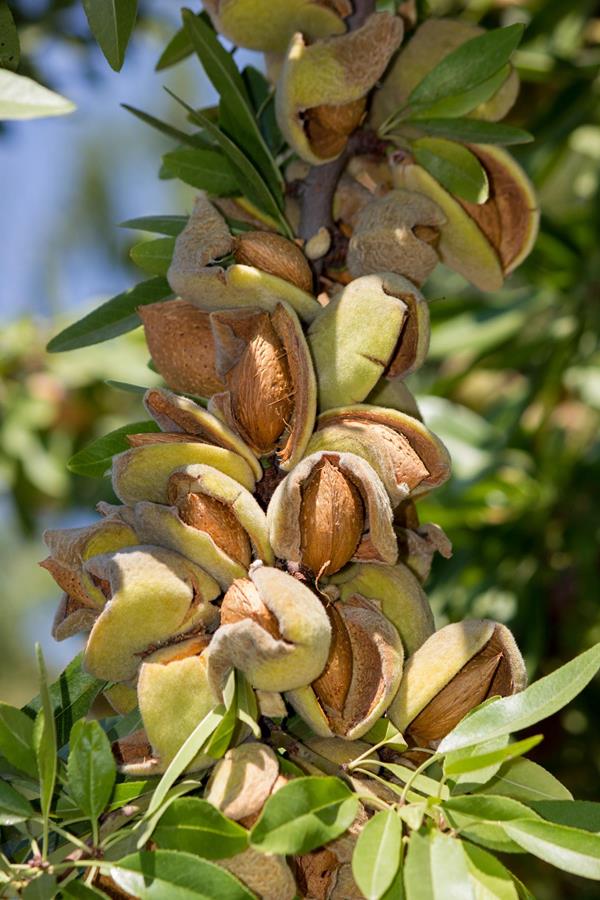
424, 765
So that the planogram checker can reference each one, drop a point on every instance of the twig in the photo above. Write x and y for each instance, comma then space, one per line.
320, 183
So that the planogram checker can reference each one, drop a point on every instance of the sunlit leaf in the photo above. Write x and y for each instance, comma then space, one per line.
196, 826
23, 98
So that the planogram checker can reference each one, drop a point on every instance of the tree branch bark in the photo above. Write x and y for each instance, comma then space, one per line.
320, 183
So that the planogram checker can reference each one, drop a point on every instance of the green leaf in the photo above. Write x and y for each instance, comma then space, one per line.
570, 849
575, 813
207, 170
186, 753
541, 699
262, 96
95, 459
13, 806
376, 856
178, 49
41, 888
16, 739
196, 826
247, 707
71, 695
525, 780
154, 257
10, 51
183, 137
111, 23
241, 124
44, 741
304, 814
436, 868
250, 181
171, 225
466, 102
468, 66
472, 131
483, 775
493, 881
482, 818
422, 783
220, 740
91, 768
455, 167
117, 316
460, 762
172, 875
23, 98
384, 732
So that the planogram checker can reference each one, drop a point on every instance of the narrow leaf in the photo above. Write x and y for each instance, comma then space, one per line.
13, 806
467, 66
111, 22
167, 874
570, 849
71, 695
220, 67
376, 856
525, 780
466, 102
178, 49
10, 51
16, 739
492, 879
250, 181
541, 699
183, 137
455, 167
154, 257
170, 225
115, 317
96, 459
472, 131
189, 749
23, 98
457, 763
207, 170
91, 768
575, 813
44, 739
197, 827
304, 814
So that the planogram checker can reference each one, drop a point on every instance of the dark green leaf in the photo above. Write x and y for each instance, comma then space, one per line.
95, 459
71, 695
41, 888
569, 849
183, 137
460, 762
91, 768
468, 66
44, 741
196, 826
376, 855
154, 257
482, 818
168, 874
16, 739
80, 891
10, 51
304, 814
111, 22
240, 121
262, 96
178, 49
117, 316
436, 868
13, 806
540, 700
455, 167
466, 102
492, 879
473, 131
207, 170
171, 225
250, 181
574, 813
524, 780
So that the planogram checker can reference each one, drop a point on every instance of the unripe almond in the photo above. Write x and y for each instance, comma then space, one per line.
276, 255
216, 519
332, 519
332, 686
242, 601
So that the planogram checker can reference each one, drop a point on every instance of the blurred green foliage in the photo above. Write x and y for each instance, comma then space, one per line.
512, 385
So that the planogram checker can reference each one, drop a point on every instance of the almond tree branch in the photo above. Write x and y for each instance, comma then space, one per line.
320, 183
